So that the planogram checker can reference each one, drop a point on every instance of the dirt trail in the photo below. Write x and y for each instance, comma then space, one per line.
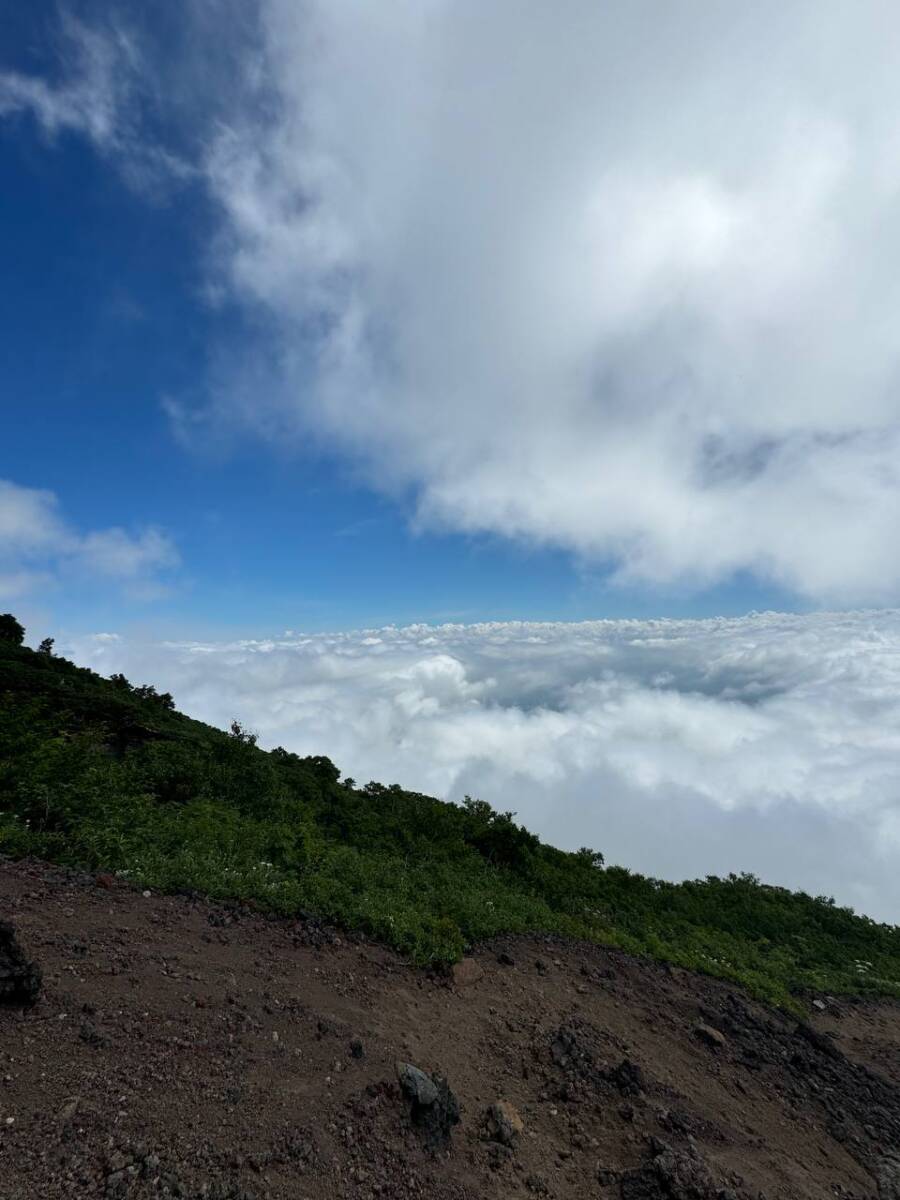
188, 1049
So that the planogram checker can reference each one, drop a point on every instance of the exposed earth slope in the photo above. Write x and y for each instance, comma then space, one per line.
184, 1048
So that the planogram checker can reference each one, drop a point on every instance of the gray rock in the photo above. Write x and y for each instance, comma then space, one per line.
433, 1107
418, 1086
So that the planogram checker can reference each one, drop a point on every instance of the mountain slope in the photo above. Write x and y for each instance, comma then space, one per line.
98, 774
187, 1049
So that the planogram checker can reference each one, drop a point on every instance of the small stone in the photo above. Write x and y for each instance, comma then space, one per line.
467, 972
504, 1124
820, 1005
712, 1037
146, 894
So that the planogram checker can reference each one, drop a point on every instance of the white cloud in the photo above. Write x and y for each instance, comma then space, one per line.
114, 552
103, 90
618, 278
29, 521
93, 95
38, 547
768, 743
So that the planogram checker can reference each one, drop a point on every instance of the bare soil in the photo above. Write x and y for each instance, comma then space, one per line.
189, 1049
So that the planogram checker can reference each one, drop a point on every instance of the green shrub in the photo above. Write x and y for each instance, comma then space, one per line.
100, 774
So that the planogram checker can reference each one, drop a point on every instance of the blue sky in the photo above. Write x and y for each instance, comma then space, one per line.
174, 350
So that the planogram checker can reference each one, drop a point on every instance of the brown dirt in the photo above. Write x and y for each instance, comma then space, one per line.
189, 1049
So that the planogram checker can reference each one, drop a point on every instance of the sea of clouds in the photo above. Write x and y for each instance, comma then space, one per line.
768, 743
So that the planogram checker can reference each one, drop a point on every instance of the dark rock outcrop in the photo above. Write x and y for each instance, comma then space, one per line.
433, 1107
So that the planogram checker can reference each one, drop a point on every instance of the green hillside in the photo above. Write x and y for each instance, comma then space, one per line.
100, 774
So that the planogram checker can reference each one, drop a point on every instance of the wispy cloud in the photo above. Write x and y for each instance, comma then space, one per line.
101, 91
93, 95
38, 547
768, 743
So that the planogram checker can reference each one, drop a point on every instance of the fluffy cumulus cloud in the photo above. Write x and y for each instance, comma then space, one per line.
39, 547
768, 743
618, 277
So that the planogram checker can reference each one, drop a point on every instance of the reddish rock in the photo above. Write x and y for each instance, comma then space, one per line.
504, 1124
466, 972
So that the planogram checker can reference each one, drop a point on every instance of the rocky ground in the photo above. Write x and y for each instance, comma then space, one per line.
186, 1049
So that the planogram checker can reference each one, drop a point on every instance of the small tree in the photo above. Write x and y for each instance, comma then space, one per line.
46, 647
11, 630
240, 734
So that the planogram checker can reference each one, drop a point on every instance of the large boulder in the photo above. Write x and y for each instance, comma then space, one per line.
20, 979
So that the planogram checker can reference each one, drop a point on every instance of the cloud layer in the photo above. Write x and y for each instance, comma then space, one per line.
768, 743
38, 547
620, 280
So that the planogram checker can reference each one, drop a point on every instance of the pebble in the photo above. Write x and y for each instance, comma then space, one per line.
711, 1036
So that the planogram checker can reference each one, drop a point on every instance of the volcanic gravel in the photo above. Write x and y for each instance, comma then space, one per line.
187, 1049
